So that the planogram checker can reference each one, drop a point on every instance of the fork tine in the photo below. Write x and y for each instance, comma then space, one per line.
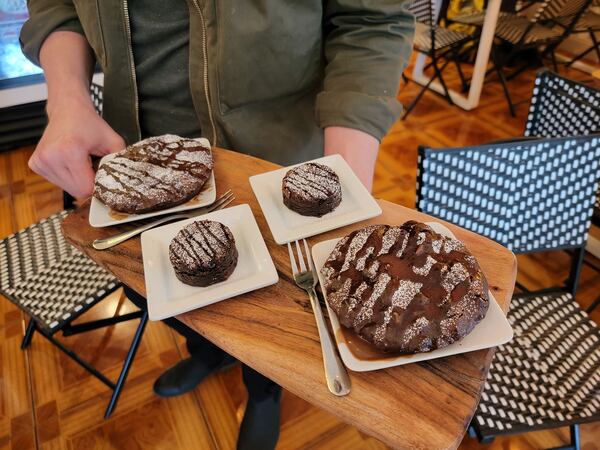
223, 201
308, 256
292, 259
222, 205
300, 257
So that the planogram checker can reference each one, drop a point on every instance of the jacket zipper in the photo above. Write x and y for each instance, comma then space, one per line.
205, 73
132, 67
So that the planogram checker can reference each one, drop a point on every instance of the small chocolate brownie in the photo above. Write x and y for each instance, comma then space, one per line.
203, 253
153, 174
405, 289
311, 189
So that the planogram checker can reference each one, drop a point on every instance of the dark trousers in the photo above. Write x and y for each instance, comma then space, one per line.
259, 387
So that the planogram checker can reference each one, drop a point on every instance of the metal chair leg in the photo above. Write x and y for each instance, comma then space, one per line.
498, 69
417, 98
593, 305
575, 443
28, 334
127, 364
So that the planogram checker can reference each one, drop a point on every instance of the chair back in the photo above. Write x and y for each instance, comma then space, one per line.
563, 8
562, 107
425, 11
529, 196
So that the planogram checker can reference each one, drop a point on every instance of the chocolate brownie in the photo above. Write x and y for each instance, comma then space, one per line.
203, 253
405, 289
311, 189
153, 174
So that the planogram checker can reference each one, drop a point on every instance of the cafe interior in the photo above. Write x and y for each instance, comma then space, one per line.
496, 151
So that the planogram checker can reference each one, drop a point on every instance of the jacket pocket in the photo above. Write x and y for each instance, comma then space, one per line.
89, 16
266, 49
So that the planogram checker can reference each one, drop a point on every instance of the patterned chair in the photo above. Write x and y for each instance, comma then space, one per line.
531, 196
54, 284
436, 42
562, 107
522, 32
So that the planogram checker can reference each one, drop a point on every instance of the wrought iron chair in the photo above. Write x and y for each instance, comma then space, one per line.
54, 284
437, 43
531, 196
522, 33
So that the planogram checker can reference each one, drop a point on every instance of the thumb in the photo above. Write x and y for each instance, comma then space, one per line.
112, 143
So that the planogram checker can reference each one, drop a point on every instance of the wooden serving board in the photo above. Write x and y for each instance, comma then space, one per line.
424, 405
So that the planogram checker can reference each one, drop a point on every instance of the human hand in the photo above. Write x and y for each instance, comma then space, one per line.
358, 148
74, 133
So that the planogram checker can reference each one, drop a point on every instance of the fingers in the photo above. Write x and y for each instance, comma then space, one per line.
67, 167
111, 143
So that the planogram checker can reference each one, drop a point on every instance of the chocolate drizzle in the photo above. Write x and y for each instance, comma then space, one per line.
311, 189
153, 174
405, 289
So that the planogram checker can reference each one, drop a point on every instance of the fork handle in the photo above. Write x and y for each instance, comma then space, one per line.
337, 378
111, 241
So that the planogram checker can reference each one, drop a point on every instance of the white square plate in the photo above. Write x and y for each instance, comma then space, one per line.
102, 216
286, 225
167, 296
492, 331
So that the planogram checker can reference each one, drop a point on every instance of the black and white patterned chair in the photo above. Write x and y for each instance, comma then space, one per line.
436, 42
522, 32
531, 196
562, 107
54, 284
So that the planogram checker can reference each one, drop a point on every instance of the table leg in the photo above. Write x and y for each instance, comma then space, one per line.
483, 55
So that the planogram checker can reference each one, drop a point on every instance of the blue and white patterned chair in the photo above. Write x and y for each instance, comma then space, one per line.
530, 196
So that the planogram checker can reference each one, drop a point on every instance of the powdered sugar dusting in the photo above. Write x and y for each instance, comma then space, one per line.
416, 327
424, 270
456, 275
407, 290
360, 262
389, 239
356, 244
367, 309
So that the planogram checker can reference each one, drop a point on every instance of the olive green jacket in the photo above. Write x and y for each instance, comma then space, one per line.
266, 76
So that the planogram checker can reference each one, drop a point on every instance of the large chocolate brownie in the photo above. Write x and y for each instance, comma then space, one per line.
406, 288
154, 174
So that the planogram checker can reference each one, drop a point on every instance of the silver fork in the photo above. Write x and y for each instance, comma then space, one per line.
111, 241
337, 378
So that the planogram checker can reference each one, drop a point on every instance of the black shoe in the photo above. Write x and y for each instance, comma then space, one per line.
187, 374
260, 427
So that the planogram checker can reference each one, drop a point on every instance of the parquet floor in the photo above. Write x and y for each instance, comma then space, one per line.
48, 402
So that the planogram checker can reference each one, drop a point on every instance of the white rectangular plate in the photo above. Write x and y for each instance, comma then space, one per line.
286, 225
100, 214
167, 296
492, 331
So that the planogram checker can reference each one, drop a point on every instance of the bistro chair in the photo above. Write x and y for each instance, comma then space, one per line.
54, 284
521, 33
587, 23
435, 42
562, 107
530, 196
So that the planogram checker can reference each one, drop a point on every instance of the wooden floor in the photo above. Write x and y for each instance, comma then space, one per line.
48, 402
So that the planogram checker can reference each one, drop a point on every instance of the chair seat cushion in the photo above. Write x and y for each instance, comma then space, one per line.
48, 278
549, 374
444, 37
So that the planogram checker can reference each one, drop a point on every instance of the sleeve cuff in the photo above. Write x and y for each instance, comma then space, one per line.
37, 29
371, 114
